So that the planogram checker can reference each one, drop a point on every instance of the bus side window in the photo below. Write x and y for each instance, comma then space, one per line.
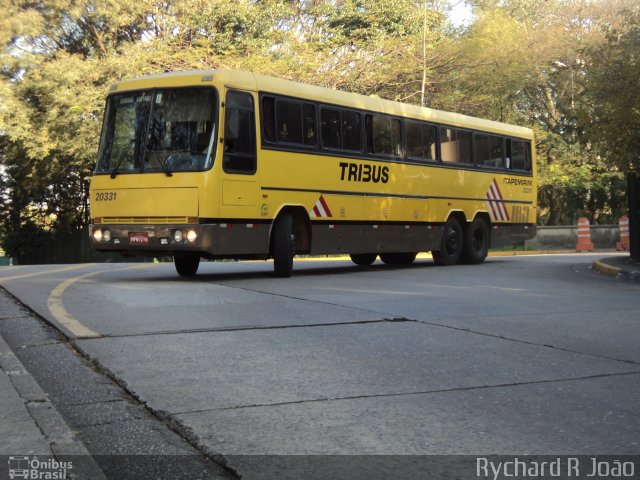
331, 132
421, 141
288, 121
496, 146
516, 152
309, 124
268, 119
489, 151
455, 146
383, 135
351, 131
414, 140
429, 142
527, 156
240, 134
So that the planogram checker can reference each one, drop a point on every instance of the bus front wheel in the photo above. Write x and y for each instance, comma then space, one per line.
186, 264
450, 244
283, 246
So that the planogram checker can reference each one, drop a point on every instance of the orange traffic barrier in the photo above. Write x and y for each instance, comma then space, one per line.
623, 244
584, 236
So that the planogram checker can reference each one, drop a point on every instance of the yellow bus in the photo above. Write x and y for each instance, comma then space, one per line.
222, 164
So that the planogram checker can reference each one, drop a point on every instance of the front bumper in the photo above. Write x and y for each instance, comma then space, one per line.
152, 240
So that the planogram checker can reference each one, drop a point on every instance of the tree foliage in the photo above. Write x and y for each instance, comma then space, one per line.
613, 83
568, 68
535, 65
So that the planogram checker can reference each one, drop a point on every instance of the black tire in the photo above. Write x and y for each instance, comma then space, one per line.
476, 242
186, 264
283, 246
451, 243
398, 258
363, 259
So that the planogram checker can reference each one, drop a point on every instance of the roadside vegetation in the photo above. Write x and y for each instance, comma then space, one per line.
570, 69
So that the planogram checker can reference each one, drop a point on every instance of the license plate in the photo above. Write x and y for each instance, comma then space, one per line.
138, 238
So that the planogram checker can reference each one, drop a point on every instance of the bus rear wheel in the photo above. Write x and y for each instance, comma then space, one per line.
450, 244
363, 259
186, 264
398, 258
283, 246
476, 242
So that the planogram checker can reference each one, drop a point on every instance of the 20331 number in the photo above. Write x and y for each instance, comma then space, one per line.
106, 196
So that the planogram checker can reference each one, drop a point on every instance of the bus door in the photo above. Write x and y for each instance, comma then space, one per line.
239, 182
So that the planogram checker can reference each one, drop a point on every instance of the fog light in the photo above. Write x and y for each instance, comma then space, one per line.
164, 241
191, 236
106, 235
177, 236
97, 235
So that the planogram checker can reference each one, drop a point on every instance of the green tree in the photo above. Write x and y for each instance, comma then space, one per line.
53, 71
614, 82
528, 63
565, 67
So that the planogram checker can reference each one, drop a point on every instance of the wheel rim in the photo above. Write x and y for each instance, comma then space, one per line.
478, 240
452, 240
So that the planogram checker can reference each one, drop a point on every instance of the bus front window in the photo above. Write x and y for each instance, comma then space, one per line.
168, 130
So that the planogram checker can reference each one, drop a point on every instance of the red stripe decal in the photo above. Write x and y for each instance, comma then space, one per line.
325, 206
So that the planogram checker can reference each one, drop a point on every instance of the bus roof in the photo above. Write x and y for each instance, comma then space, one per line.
262, 83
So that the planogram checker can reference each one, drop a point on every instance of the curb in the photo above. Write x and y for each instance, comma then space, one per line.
60, 440
530, 252
602, 267
38, 409
510, 253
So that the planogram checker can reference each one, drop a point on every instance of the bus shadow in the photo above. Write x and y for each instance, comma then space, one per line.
302, 271
243, 271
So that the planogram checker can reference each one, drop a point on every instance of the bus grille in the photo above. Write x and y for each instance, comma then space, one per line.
145, 220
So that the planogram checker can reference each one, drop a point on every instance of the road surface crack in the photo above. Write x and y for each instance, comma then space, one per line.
526, 342
251, 327
408, 394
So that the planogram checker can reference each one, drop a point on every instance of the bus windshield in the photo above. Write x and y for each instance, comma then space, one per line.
160, 130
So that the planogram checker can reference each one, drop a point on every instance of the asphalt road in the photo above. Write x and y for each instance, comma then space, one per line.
519, 355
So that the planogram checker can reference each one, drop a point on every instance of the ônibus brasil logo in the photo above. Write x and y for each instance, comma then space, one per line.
34, 469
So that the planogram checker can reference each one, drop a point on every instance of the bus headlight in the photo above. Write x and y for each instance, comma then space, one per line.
191, 236
97, 235
106, 235
177, 236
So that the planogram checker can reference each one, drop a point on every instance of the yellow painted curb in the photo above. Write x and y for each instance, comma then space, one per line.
428, 255
529, 252
606, 269
602, 267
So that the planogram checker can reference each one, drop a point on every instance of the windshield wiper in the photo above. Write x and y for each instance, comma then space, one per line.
157, 155
165, 168
121, 157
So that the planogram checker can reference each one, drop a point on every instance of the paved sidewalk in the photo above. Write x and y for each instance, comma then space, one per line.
30, 425
20, 433
622, 266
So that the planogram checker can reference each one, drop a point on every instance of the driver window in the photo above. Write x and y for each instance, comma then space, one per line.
240, 134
